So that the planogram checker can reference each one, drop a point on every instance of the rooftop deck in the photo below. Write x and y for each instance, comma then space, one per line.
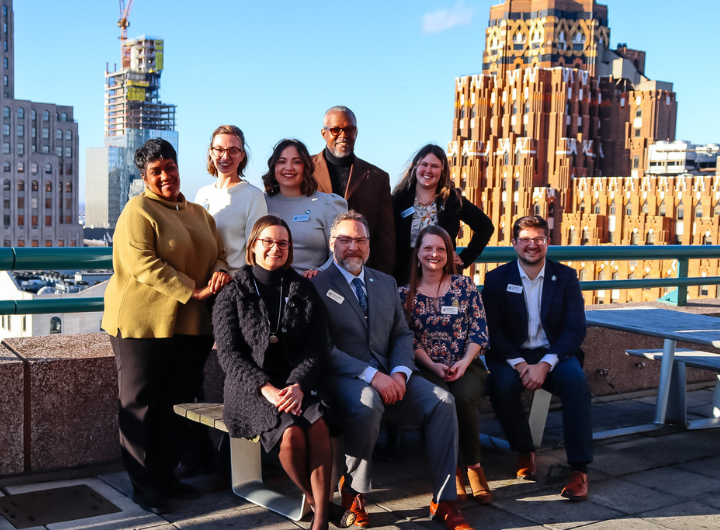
665, 479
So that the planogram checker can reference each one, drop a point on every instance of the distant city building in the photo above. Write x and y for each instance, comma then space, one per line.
134, 113
560, 125
42, 285
39, 161
679, 157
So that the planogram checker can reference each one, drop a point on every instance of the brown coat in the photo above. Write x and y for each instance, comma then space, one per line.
368, 192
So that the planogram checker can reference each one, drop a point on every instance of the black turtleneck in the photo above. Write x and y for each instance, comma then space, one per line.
339, 170
268, 284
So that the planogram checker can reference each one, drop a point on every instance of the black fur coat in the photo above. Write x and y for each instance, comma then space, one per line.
242, 332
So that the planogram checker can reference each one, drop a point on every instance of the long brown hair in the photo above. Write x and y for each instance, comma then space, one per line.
309, 184
416, 268
445, 184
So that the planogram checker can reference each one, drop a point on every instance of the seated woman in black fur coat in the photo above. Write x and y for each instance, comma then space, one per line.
271, 339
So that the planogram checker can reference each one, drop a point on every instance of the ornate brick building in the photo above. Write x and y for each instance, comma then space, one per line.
560, 125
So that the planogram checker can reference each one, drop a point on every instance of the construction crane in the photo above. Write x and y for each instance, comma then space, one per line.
123, 24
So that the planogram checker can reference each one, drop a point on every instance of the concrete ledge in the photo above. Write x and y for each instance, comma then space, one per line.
12, 413
70, 400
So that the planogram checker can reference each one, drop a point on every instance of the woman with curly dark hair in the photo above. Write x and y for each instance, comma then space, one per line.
291, 194
272, 344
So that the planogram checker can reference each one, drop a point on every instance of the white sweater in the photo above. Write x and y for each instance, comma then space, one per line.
309, 219
235, 209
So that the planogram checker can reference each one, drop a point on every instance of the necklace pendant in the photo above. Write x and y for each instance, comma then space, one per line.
273, 338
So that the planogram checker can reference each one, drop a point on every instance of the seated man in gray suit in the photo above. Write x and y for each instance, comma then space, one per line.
374, 375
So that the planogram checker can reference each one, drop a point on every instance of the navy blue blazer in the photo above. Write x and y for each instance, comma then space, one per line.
562, 312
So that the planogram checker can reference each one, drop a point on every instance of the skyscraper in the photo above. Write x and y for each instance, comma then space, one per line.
559, 124
133, 114
39, 161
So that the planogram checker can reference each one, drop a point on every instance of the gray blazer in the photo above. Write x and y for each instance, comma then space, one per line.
383, 336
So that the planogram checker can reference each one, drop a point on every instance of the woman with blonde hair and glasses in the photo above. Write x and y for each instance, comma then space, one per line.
234, 203
446, 314
271, 336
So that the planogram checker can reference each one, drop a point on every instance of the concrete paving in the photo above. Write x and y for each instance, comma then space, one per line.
663, 479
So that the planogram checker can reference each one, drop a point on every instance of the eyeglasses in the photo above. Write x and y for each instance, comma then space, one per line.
350, 130
344, 240
234, 152
269, 242
541, 240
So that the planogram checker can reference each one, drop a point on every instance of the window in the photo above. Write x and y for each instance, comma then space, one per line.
650, 239
645, 208
21, 167
597, 208
662, 209
6, 148
46, 133
638, 113
58, 150
678, 239
637, 133
612, 208
581, 208
46, 149
6, 167
46, 116
34, 185
33, 168
585, 237
634, 238
21, 222
48, 221
716, 212
68, 152
6, 185
6, 112
20, 112
21, 149
68, 187
571, 237
537, 209
680, 211
58, 134
48, 186
21, 130
698, 211
33, 132
63, 116
34, 243
5, 63
48, 203
21, 185
55, 325
34, 220
68, 134
21, 203
6, 129
33, 114
707, 240
48, 168
636, 162
68, 169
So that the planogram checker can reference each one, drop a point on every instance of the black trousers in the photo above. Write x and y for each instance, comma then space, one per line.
154, 375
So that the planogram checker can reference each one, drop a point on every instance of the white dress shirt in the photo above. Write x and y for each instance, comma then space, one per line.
369, 372
532, 290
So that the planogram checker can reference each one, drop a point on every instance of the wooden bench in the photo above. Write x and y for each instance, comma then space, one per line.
538, 417
677, 408
246, 465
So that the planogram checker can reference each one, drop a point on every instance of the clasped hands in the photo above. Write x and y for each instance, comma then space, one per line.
217, 281
451, 373
390, 387
533, 375
288, 399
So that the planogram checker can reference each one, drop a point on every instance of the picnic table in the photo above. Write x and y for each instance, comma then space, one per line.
672, 326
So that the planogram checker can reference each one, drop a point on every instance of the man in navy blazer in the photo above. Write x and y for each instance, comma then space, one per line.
373, 374
536, 319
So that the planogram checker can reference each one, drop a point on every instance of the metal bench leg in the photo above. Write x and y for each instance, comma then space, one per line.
666, 368
677, 408
247, 482
538, 415
713, 422
716, 399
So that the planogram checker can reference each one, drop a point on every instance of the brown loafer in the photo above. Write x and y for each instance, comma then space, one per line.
460, 485
354, 504
577, 488
479, 485
447, 512
526, 469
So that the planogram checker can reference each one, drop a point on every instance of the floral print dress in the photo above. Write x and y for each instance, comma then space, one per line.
444, 335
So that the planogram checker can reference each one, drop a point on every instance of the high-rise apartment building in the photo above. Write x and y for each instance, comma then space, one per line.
134, 113
39, 161
559, 124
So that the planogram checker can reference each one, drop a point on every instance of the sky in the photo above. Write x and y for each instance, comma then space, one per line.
273, 67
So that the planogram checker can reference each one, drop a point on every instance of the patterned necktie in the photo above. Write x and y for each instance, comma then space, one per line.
362, 299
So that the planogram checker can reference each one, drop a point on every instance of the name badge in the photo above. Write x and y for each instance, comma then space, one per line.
449, 310
515, 288
408, 212
335, 297
300, 218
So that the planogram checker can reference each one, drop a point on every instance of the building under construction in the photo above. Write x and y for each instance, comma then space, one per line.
134, 113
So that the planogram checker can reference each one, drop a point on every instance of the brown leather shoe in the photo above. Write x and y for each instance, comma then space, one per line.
526, 469
460, 485
447, 512
577, 488
354, 504
479, 485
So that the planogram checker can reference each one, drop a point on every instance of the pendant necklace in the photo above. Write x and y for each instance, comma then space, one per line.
273, 337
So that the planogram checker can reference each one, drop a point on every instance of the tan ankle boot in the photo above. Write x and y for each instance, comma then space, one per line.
460, 485
479, 485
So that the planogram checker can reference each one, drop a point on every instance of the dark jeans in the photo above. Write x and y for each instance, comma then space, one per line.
567, 381
468, 391
154, 375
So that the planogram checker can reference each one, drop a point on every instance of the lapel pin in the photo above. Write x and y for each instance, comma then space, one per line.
371, 280
553, 278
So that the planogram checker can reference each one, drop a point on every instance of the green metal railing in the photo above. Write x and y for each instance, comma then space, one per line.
54, 258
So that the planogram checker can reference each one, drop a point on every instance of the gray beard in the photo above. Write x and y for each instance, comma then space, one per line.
352, 265
339, 154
